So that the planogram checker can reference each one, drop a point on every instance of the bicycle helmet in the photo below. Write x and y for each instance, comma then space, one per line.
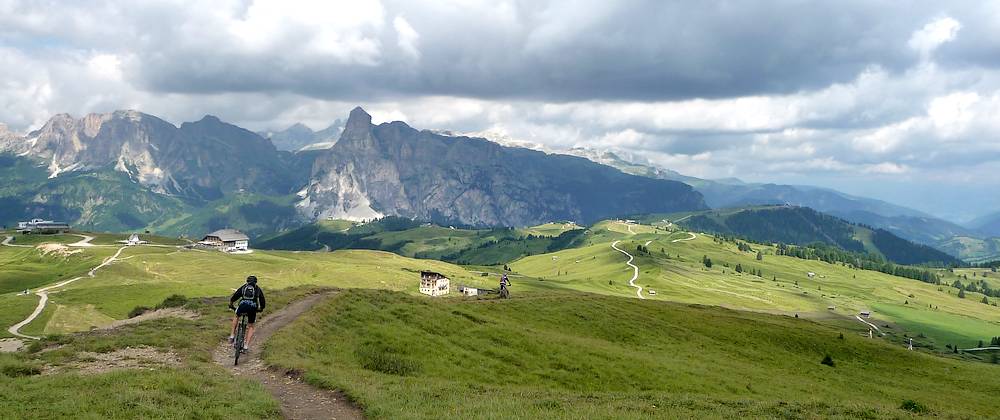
252, 280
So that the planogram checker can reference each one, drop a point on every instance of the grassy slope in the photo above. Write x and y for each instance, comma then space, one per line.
24, 268
570, 355
197, 388
146, 275
677, 274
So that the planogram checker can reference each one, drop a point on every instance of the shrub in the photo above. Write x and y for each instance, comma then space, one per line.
827, 360
138, 310
913, 407
172, 301
17, 369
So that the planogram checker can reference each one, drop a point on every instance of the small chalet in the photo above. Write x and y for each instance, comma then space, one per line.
132, 240
434, 284
36, 226
226, 240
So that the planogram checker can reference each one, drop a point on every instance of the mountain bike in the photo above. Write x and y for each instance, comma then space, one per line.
504, 293
241, 334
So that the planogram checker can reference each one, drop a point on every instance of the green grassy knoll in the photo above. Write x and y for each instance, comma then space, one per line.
550, 229
574, 355
14, 308
29, 268
191, 387
34, 240
147, 275
675, 271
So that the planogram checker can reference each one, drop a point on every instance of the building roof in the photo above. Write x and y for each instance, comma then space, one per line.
228, 235
426, 273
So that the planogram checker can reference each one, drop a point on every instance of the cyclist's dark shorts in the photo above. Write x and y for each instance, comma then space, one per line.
249, 308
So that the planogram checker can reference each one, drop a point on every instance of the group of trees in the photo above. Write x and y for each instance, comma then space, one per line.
975, 286
861, 260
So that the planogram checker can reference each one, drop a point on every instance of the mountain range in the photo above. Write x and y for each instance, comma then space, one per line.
168, 176
210, 174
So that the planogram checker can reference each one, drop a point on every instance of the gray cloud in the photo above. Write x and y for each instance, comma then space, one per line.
768, 91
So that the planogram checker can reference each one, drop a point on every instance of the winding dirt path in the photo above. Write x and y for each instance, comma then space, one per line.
635, 269
870, 325
7, 242
43, 295
298, 399
684, 239
83, 242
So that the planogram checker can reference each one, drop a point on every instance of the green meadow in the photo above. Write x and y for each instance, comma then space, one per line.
579, 355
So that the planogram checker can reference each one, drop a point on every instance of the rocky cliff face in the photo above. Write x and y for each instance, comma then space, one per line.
393, 169
204, 159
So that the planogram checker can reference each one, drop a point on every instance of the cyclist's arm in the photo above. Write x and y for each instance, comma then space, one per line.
236, 296
260, 294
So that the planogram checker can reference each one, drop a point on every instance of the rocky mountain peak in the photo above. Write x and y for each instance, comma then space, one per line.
358, 119
211, 119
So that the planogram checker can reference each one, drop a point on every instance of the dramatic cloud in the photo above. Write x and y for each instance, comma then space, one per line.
855, 94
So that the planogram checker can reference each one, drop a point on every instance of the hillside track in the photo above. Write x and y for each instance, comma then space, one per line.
635, 269
43, 295
7, 242
689, 238
298, 399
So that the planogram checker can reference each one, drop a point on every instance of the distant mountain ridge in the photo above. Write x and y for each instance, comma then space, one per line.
393, 169
206, 159
803, 226
300, 137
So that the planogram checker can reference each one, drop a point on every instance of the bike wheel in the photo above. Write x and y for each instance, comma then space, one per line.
241, 331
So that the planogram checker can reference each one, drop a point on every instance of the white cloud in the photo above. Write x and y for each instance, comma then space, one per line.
406, 37
934, 34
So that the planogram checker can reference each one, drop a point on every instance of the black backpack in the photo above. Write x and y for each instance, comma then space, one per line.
249, 292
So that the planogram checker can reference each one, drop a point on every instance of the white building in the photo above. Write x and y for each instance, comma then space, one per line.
227, 240
469, 291
434, 284
133, 239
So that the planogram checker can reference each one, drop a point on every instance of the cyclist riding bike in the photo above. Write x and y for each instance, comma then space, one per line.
251, 301
504, 284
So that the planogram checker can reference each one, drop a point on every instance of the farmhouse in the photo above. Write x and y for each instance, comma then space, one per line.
36, 226
226, 240
434, 284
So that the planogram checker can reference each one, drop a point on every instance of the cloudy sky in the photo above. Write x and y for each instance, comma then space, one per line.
896, 100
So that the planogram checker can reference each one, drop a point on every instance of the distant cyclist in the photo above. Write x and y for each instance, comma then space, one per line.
504, 284
251, 301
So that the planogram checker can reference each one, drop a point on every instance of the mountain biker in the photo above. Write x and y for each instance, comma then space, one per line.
251, 301
504, 283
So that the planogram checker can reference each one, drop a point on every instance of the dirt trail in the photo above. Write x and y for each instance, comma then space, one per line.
685, 239
298, 399
7, 242
635, 269
83, 242
43, 295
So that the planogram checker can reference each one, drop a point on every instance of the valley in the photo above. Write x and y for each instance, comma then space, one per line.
601, 343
